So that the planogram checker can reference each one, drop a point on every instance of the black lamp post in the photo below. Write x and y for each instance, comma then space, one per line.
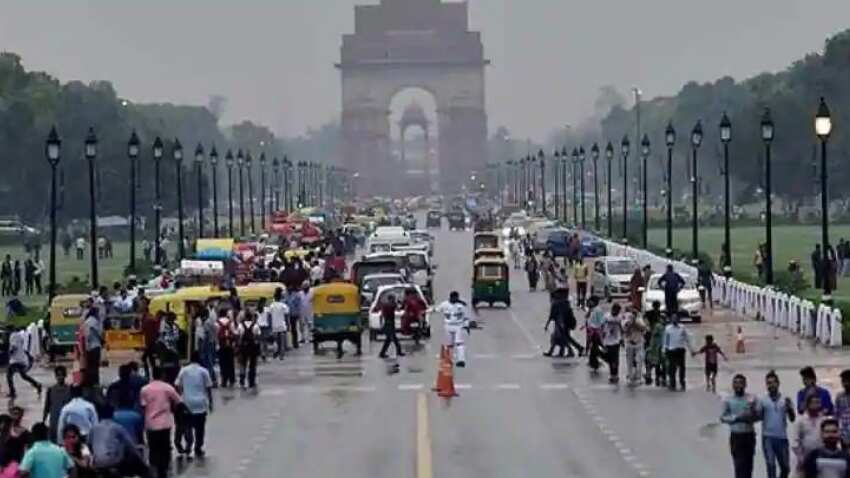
287, 183
240, 165
564, 159
594, 153
302, 188
725, 138
823, 128
133, 154
157, 207
228, 161
581, 157
670, 140
696, 141
199, 171
644, 152
609, 155
542, 158
556, 166
214, 164
249, 161
263, 191
51, 151
91, 155
767, 137
575, 186
625, 145
177, 153
276, 188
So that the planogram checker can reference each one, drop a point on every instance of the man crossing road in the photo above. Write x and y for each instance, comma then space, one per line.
456, 322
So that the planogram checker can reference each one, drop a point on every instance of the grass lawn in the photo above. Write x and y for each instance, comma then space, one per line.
109, 270
789, 242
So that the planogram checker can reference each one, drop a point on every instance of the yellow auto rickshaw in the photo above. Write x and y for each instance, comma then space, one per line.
490, 282
488, 252
66, 313
336, 315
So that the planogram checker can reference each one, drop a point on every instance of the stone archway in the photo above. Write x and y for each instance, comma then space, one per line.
401, 44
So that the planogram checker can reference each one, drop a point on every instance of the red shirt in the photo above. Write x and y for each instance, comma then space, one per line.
150, 329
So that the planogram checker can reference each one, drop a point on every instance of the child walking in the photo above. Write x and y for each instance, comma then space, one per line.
711, 351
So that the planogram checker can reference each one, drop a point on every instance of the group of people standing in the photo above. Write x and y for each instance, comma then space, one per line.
16, 276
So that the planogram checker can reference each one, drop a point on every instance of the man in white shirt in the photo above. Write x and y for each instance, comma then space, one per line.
677, 343
456, 324
277, 312
195, 387
316, 273
19, 361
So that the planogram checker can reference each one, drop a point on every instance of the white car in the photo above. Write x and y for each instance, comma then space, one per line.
397, 290
611, 276
689, 300
373, 282
518, 220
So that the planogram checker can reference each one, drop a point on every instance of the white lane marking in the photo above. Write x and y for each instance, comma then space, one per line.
643, 473
554, 386
347, 388
523, 356
507, 386
462, 386
525, 331
629, 458
274, 392
484, 356
411, 386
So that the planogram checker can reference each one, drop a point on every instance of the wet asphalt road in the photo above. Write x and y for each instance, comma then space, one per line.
518, 413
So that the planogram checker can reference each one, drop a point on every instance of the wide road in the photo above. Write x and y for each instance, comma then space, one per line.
518, 413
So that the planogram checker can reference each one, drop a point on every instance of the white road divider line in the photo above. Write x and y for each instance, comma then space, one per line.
463, 386
554, 386
507, 386
411, 386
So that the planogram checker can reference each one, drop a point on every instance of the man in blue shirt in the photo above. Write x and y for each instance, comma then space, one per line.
740, 411
44, 459
775, 411
810, 384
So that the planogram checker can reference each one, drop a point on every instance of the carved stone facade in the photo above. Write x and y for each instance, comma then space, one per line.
403, 44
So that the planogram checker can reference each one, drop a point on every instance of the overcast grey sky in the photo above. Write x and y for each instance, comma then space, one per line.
273, 59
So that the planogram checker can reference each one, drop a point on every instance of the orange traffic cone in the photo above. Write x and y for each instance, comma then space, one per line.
740, 347
445, 386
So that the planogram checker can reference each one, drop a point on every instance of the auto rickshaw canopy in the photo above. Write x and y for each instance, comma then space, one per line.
336, 298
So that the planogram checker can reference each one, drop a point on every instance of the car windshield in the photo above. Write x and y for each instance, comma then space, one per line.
690, 282
417, 262
621, 267
373, 283
397, 292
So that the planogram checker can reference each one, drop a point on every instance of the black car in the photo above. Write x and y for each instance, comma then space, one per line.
457, 221
435, 219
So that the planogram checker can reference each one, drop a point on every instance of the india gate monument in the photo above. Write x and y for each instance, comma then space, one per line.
402, 44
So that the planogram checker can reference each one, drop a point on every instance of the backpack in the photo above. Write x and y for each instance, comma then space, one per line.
225, 334
249, 340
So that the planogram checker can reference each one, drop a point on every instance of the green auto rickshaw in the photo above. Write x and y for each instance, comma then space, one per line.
490, 282
336, 315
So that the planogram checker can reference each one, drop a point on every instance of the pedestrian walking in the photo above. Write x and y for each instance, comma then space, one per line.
806, 435
29, 276
93, 334
388, 313
226, 348
842, 408
78, 450
653, 342
45, 459
264, 322
532, 271
810, 386
78, 412
195, 387
758, 260
6, 276
817, 266
612, 335
249, 335
740, 411
581, 272
158, 399
206, 339
113, 449
559, 313
594, 321
150, 331
671, 282
634, 334
705, 279
37, 275
456, 325
637, 287
20, 361
775, 411
278, 313
16, 277
711, 351
293, 302
828, 460
58, 395
81, 248
676, 343
169, 354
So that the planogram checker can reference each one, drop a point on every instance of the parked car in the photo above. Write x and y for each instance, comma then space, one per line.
611, 276
689, 300
397, 290
592, 246
557, 241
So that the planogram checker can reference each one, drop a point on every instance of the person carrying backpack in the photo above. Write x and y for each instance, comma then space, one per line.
226, 343
249, 334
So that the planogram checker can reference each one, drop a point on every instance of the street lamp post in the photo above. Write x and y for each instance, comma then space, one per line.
542, 158
228, 161
249, 161
91, 155
594, 153
696, 141
581, 156
157, 207
177, 153
556, 166
625, 145
199, 170
823, 128
52, 151
564, 160
609, 155
240, 165
575, 187
670, 140
767, 136
133, 154
644, 150
263, 191
276, 188
725, 138
287, 183
214, 164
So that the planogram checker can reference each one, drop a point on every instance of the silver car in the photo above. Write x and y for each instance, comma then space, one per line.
611, 276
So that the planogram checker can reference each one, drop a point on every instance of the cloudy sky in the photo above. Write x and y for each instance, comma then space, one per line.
273, 59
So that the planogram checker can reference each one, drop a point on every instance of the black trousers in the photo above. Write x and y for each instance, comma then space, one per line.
20, 369
149, 360
390, 337
612, 356
92, 371
248, 366
581, 293
159, 449
38, 287
676, 366
227, 366
671, 303
192, 432
743, 447
293, 328
594, 351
